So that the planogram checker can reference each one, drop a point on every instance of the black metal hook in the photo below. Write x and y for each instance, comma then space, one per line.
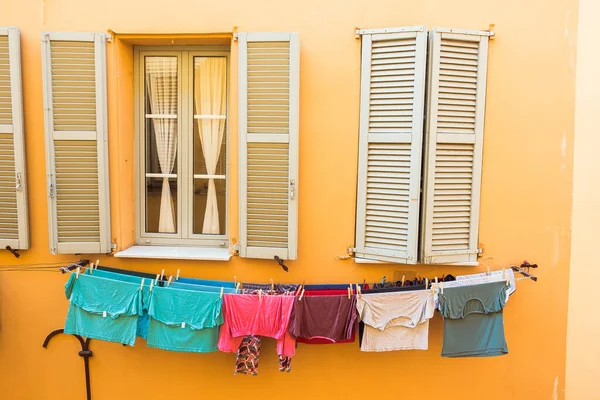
280, 262
13, 251
85, 352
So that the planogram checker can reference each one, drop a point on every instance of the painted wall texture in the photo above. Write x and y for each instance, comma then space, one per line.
525, 210
583, 350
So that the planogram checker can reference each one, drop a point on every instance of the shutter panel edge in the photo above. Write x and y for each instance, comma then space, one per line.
290, 252
103, 245
362, 250
453, 256
14, 57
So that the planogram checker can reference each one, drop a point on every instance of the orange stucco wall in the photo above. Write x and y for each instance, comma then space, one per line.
583, 348
525, 211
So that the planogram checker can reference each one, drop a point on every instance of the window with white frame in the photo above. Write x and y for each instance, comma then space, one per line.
419, 187
181, 127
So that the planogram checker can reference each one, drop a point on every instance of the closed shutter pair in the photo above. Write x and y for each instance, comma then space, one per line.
74, 68
391, 214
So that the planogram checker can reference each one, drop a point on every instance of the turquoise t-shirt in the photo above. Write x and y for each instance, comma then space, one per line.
473, 320
103, 309
144, 319
201, 288
184, 320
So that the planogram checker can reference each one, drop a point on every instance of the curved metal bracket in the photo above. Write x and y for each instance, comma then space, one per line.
85, 352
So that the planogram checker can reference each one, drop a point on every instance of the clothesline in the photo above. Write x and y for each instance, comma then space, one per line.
196, 315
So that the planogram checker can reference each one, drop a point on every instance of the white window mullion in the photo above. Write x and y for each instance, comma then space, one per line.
185, 159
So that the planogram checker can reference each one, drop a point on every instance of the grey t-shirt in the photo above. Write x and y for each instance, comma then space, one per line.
473, 320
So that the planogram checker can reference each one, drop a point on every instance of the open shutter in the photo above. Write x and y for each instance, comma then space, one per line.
269, 65
454, 145
390, 136
14, 225
74, 72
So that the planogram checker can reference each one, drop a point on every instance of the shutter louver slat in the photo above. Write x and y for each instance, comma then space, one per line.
268, 130
5, 91
454, 147
75, 97
392, 97
9, 222
14, 229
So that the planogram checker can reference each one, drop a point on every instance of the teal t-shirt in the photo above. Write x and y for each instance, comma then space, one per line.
144, 319
103, 309
184, 320
473, 320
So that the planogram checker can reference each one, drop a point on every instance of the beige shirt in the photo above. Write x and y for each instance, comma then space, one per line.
396, 320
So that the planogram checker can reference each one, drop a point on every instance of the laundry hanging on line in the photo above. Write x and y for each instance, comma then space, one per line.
118, 305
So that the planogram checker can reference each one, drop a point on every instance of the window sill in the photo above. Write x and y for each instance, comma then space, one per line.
176, 253
463, 264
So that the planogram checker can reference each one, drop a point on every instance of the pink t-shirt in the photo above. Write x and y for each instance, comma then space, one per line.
246, 315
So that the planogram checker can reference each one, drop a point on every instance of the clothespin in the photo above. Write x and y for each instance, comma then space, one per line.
237, 287
77, 272
97, 263
169, 281
403, 280
358, 291
157, 278
142, 284
426, 282
151, 285
436, 281
177, 276
91, 268
272, 285
506, 276
221, 295
442, 287
162, 273
488, 271
383, 280
301, 294
349, 292
260, 295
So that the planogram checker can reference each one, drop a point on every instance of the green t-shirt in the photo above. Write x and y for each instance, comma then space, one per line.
473, 320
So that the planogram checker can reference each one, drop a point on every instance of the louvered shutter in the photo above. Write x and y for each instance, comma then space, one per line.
390, 141
269, 65
454, 145
74, 71
14, 225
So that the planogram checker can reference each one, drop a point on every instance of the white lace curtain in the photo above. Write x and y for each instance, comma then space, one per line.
161, 80
210, 107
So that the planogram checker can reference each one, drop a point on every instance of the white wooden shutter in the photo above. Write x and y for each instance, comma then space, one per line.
14, 225
269, 66
390, 136
454, 145
74, 72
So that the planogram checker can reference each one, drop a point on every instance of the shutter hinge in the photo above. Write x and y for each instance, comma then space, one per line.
292, 188
51, 191
113, 246
479, 251
351, 251
19, 185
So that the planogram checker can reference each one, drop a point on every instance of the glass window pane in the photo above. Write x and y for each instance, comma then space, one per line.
201, 189
161, 205
161, 85
210, 120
